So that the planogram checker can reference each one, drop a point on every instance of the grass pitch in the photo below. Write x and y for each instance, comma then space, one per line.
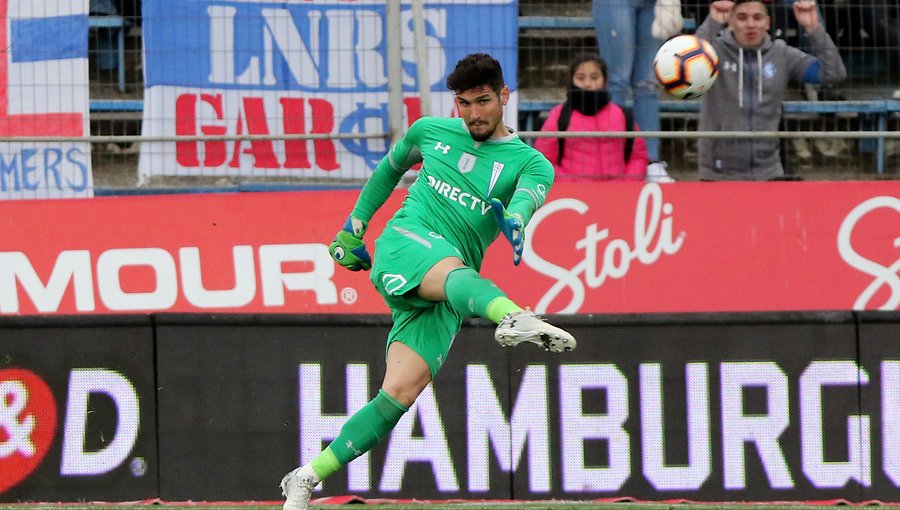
531, 505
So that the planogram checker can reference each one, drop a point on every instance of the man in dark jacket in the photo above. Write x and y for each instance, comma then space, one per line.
754, 72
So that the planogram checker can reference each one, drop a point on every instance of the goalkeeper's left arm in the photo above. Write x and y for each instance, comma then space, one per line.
530, 193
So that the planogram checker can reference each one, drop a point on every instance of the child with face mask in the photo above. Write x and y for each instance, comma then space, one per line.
588, 108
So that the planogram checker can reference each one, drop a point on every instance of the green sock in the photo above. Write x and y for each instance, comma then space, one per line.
474, 296
360, 433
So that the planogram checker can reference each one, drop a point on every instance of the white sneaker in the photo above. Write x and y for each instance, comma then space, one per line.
526, 326
658, 171
297, 487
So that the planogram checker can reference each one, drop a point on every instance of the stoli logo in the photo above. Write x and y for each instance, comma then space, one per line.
884, 275
653, 237
27, 424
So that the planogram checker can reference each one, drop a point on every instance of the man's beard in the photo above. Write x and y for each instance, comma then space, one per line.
481, 137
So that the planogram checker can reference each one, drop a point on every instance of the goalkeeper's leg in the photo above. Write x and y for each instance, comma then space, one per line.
474, 296
406, 376
468, 292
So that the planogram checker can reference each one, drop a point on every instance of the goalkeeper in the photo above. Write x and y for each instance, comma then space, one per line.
477, 180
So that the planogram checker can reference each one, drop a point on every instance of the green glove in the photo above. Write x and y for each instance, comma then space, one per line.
513, 228
348, 247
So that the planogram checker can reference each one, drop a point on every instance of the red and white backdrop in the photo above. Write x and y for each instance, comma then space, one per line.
605, 248
44, 93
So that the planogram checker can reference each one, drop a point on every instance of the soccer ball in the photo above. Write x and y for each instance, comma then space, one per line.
686, 66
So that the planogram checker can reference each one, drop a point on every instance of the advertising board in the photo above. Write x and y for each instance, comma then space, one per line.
717, 407
593, 248
77, 410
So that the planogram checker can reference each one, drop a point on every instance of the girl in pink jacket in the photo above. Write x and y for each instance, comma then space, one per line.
590, 107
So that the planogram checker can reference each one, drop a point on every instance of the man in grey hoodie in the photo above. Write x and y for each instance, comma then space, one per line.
754, 72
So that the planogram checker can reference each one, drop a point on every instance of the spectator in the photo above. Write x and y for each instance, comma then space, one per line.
629, 32
784, 26
588, 108
754, 72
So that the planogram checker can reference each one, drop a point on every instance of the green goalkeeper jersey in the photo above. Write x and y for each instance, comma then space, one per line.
459, 176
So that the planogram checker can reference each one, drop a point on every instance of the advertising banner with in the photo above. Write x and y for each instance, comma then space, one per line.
77, 410
44, 93
598, 248
250, 67
715, 407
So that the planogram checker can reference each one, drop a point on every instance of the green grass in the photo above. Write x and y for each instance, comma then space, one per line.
542, 505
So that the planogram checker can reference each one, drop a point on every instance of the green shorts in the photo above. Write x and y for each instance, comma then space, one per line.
403, 254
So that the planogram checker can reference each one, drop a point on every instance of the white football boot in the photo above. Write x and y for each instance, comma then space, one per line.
297, 487
526, 326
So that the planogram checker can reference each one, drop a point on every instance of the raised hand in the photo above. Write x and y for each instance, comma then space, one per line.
720, 10
807, 15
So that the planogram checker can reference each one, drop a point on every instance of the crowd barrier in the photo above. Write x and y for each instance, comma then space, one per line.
703, 407
878, 111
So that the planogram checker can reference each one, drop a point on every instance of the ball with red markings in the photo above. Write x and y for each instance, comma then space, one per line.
686, 66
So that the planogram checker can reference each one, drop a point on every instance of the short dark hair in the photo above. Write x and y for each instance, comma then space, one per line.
475, 70
765, 3
587, 57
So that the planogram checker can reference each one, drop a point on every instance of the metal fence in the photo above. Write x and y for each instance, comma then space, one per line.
551, 32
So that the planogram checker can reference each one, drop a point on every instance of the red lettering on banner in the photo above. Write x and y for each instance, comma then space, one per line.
253, 118
262, 150
322, 122
187, 153
296, 155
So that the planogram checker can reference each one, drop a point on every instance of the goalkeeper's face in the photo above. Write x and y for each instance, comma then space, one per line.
482, 110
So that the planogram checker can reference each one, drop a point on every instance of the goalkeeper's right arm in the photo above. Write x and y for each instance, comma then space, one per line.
402, 156
348, 247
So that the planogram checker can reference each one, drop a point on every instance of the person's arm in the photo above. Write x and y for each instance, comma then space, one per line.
807, 15
531, 193
716, 19
549, 147
826, 68
403, 155
532, 188
348, 247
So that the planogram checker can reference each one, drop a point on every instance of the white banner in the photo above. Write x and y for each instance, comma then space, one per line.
297, 68
44, 92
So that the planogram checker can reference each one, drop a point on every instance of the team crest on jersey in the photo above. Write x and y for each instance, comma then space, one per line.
466, 162
495, 174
